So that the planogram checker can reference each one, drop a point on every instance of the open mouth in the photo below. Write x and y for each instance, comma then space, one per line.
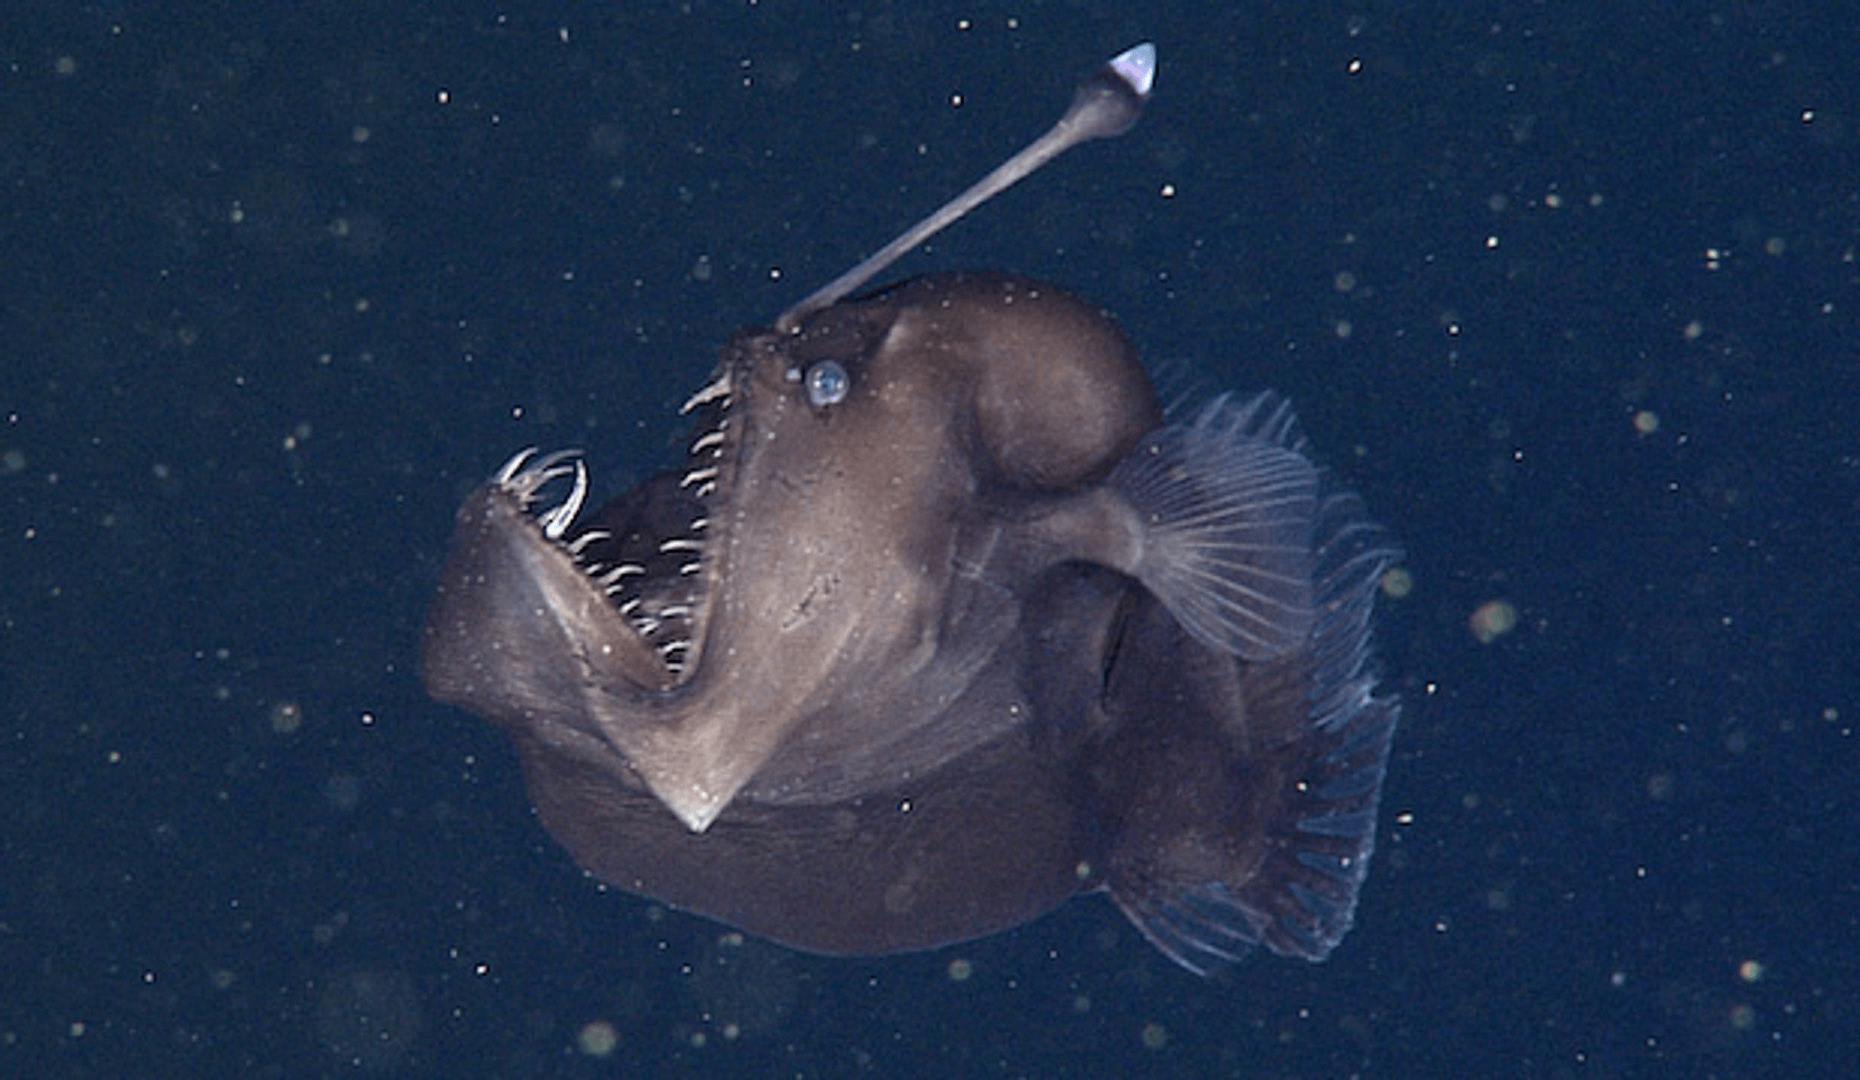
655, 551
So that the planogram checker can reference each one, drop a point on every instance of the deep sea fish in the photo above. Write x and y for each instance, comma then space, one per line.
942, 623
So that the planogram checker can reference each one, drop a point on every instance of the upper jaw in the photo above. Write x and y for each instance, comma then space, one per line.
655, 553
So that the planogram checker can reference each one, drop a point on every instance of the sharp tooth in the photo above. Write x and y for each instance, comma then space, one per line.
630, 606
680, 544
700, 524
557, 521
704, 491
707, 442
611, 579
531, 476
549, 467
698, 476
513, 466
716, 388
592, 536
674, 611
691, 567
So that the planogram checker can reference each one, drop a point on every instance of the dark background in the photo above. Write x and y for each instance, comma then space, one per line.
1568, 292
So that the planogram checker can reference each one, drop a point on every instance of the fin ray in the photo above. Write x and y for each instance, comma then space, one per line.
1285, 874
1228, 504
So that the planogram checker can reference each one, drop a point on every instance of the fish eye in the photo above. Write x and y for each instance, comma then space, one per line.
827, 383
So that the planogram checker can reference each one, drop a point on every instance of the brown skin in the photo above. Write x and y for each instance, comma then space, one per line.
858, 517
925, 706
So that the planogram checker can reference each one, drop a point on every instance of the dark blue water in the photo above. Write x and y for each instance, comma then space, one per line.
1568, 296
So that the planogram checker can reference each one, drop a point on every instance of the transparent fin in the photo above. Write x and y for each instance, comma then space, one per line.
1228, 504
1285, 870
1198, 929
1301, 900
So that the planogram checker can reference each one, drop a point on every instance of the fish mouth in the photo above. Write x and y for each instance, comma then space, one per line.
656, 552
